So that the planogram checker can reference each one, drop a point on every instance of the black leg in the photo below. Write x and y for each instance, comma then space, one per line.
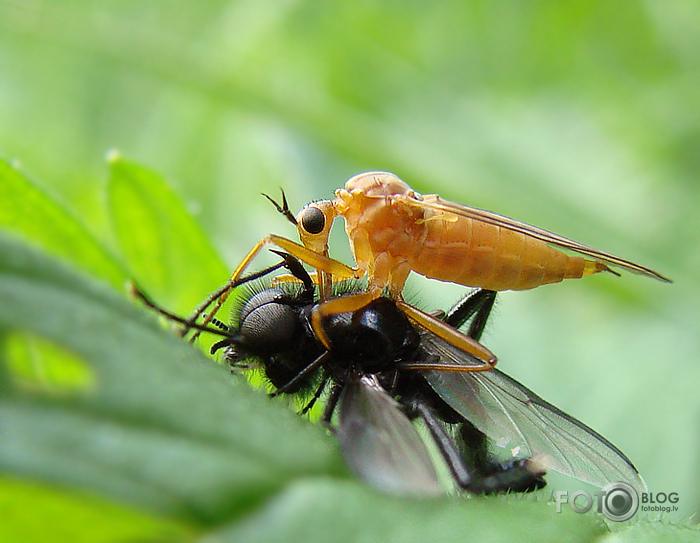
331, 405
447, 446
476, 305
140, 295
316, 396
202, 307
490, 476
303, 374
470, 464
288, 262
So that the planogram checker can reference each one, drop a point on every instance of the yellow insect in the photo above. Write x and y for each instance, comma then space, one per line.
393, 230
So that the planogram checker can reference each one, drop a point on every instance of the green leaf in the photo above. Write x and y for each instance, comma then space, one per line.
654, 532
164, 428
162, 245
31, 213
323, 511
31, 512
43, 365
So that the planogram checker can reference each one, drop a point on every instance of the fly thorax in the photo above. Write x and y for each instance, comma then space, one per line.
377, 225
374, 338
377, 184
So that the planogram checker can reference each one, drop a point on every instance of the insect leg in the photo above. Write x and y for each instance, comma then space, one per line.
333, 400
136, 292
307, 256
490, 476
344, 304
311, 258
445, 444
317, 278
296, 269
451, 335
316, 396
220, 325
288, 262
230, 285
477, 304
301, 375
470, 465
347, 304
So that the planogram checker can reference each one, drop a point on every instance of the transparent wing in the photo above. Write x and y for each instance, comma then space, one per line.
434, 202
518, 420
381, 444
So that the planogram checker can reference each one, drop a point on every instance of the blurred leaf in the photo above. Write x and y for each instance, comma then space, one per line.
165, 428
32, 513
654, 532
162, 245
321, 511
46, 366
29, 212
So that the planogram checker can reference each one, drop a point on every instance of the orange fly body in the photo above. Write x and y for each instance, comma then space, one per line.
393, 230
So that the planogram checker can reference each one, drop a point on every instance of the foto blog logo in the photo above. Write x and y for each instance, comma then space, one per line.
617, 501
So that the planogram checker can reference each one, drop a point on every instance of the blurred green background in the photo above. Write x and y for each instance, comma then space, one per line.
582, 117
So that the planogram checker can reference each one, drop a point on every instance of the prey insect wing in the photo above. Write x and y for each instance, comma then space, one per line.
381, 444
518, 420
435, 203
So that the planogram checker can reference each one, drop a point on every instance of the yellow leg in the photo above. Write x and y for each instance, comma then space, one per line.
354, 302
344, 304
321, 262
453, 336
316, 279
307, 256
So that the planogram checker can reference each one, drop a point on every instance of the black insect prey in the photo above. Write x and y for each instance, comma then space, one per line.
384, 372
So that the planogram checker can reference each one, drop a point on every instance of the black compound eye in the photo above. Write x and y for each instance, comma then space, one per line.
267, 324
313, 220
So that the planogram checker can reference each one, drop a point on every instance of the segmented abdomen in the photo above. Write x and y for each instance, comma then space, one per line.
477, 254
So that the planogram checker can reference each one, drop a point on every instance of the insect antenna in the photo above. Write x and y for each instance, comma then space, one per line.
228, 286
136, 292
284, 208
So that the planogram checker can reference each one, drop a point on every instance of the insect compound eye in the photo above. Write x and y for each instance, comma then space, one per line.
313, 220
265, 323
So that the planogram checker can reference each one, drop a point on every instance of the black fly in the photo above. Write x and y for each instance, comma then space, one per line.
382, 372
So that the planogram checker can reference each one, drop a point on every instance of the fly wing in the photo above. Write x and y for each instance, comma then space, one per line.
434, 202
381, 444
518, 420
